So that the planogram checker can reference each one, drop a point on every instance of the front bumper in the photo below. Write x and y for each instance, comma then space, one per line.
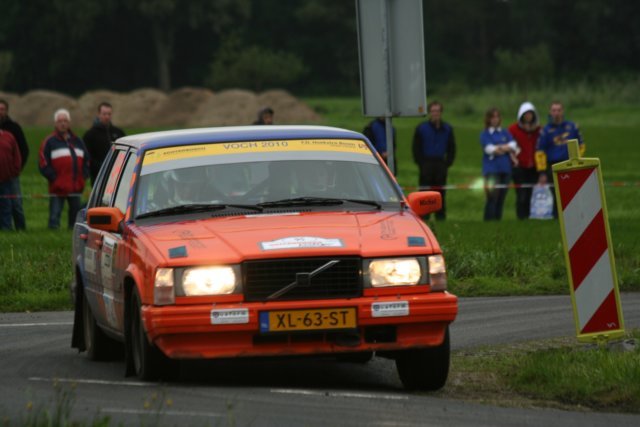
186, 331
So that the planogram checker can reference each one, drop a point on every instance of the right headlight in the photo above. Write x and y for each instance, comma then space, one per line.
389, 272
437, 273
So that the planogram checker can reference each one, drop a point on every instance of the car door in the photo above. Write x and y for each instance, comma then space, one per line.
114, 254
99, 287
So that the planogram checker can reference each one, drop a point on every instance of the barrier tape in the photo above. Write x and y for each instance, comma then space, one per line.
409, 188
476, 186
38, 196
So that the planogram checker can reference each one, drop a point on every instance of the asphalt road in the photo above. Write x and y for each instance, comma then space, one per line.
38, 368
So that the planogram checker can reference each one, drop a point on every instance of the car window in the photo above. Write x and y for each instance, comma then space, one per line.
96, 192
114, 173
122, 192
251, 173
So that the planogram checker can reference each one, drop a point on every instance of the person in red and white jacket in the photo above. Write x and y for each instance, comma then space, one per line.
525, 131
64, 161
10, 165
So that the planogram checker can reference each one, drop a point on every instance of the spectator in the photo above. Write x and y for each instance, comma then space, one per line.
499, 152
10, 164
552, 144
98, 139
64, 161
434, 150
525, 131
376, 132
14, 128
265, 117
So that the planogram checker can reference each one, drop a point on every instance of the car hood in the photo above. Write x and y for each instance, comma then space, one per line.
238, 238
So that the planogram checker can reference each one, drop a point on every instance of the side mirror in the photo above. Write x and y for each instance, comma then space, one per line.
425, 202
105, 219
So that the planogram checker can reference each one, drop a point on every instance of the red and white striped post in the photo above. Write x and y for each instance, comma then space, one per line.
588, 249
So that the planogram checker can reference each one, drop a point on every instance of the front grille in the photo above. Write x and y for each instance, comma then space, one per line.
263, 278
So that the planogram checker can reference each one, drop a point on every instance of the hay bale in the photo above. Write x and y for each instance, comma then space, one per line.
36, 108
182, 105
140, 107
227, 108
287, 108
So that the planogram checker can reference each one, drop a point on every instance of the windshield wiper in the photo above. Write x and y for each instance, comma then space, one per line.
196, 207
319, 201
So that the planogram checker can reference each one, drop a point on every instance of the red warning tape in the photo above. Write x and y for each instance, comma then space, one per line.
483, 186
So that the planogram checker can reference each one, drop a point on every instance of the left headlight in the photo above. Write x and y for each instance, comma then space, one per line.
163, 289
394, 272
210, 280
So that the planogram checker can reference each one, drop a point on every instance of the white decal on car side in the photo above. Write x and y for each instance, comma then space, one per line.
89, 260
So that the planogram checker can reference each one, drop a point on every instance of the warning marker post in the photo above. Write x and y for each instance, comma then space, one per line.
588, 250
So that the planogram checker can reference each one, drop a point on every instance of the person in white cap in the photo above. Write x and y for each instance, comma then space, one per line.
64, 162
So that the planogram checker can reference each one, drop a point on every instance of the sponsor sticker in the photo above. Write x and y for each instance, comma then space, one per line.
190, 151
109, 248
301, 242
390, 309
90, 260
229, 316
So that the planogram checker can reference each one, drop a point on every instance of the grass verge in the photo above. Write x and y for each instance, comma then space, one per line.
555, 373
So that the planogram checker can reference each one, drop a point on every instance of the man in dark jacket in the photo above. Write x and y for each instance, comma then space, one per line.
14, 128
434, 150
64, 161
99, 138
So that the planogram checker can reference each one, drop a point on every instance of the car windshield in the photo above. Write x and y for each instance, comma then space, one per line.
290, 174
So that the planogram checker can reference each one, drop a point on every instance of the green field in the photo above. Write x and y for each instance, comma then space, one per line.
510, 257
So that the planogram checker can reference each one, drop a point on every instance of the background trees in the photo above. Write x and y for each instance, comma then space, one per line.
307, 46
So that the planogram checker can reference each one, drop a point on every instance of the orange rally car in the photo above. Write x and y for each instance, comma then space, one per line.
259, 241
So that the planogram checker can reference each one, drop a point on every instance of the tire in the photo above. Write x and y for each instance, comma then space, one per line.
97, 345
147, 359
425, 369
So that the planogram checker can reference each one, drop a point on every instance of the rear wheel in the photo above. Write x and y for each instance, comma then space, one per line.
425, 368
96, 343
147, 359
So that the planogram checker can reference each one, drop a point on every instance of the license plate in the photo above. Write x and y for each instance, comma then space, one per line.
307, 320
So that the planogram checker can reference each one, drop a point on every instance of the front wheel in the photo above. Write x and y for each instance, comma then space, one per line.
147, 359
425, 368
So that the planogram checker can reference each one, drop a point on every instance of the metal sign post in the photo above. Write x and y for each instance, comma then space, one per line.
391, 48
586, 239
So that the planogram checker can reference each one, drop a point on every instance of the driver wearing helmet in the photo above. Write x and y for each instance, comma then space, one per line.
189, 185
311, 178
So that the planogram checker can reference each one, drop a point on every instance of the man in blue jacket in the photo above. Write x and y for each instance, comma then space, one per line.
434, 150
376, 132
552, 144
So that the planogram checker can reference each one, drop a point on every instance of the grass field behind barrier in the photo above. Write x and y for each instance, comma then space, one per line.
510, 257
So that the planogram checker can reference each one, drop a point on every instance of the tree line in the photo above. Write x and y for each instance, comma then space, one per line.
306, 46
